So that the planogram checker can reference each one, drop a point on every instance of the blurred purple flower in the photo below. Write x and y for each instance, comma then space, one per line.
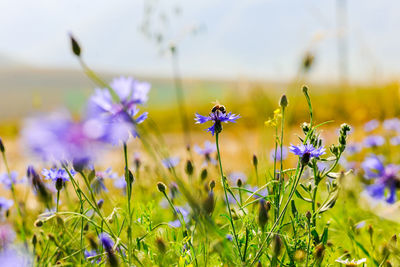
278, 153
208, 149
106, 241
261, 193
170, 162
371, 125
7, 236
185, 214
302, 149
92, 253
353, 148
385, 177
235, 176
374, 141
9, 179
120, 182
56, 137
119, 117
14, 257
217, 117
395, 141
5, 204
392, 124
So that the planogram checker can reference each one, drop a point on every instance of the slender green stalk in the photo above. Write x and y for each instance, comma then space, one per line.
226, 197
281, 161
309, 241
281, 215
128, 195
58, 200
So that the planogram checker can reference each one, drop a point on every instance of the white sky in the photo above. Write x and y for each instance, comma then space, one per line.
238, 38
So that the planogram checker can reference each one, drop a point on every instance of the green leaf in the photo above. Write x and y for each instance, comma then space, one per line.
303, 198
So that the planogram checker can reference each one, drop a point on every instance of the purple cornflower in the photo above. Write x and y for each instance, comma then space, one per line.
5, 204
374, 141
56, 174
395, 141
354, 148
106, 241
185, 214
371, 125
235, 176
170, 162
92, 253
278, 153
218, 114
119, 117
57, 137
7, 236
302, 149
120, 182
8, 180
14, 257
208, 149
385, 177
392, 124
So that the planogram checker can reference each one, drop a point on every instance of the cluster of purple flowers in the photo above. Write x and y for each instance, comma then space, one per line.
58, 137
385, 177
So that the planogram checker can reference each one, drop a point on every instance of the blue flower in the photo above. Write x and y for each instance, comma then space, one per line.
217, 117
57, 174
185, 214
208, 149
395, 141
392, 124
14, 257
374, 141
57, 137
278, 153
106, 241
385, 178
235, 176
92, 253
119, 117
371, 125
170, 162
9, 179
354, 148
5, 204
120, 182
302, 149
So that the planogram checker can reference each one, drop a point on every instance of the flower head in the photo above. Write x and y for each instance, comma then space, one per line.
302, 149
58, 176
208, 149
386, 177
57, 137
374, 141
218, 114
8, 180
392, 124
5, 204
170, 162
279, 156
106, 241
119, 115
371, 125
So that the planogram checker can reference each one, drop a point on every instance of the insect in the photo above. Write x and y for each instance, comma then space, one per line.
219, 107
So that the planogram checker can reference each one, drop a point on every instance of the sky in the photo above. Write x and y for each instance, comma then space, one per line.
232, 39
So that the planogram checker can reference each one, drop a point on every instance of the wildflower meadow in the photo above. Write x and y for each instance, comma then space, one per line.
303, 177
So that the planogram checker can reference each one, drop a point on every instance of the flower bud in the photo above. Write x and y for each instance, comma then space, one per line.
277, 245
203, 174
189, 167
305, 127
34, 240
239, 182
212, 184
76, 49
305, 89
259, 264
319, 252
370, 230
283, 102
308, 215
209, 203
161, 187
38, 223
161, 245
59, 184
263, 213
255, 161
2, 149
100, 203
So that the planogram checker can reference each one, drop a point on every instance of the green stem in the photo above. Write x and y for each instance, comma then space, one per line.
58, 200
281, 160
226, 197
129, 194
281, 215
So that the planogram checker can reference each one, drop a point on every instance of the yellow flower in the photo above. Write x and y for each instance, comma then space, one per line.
272, 122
